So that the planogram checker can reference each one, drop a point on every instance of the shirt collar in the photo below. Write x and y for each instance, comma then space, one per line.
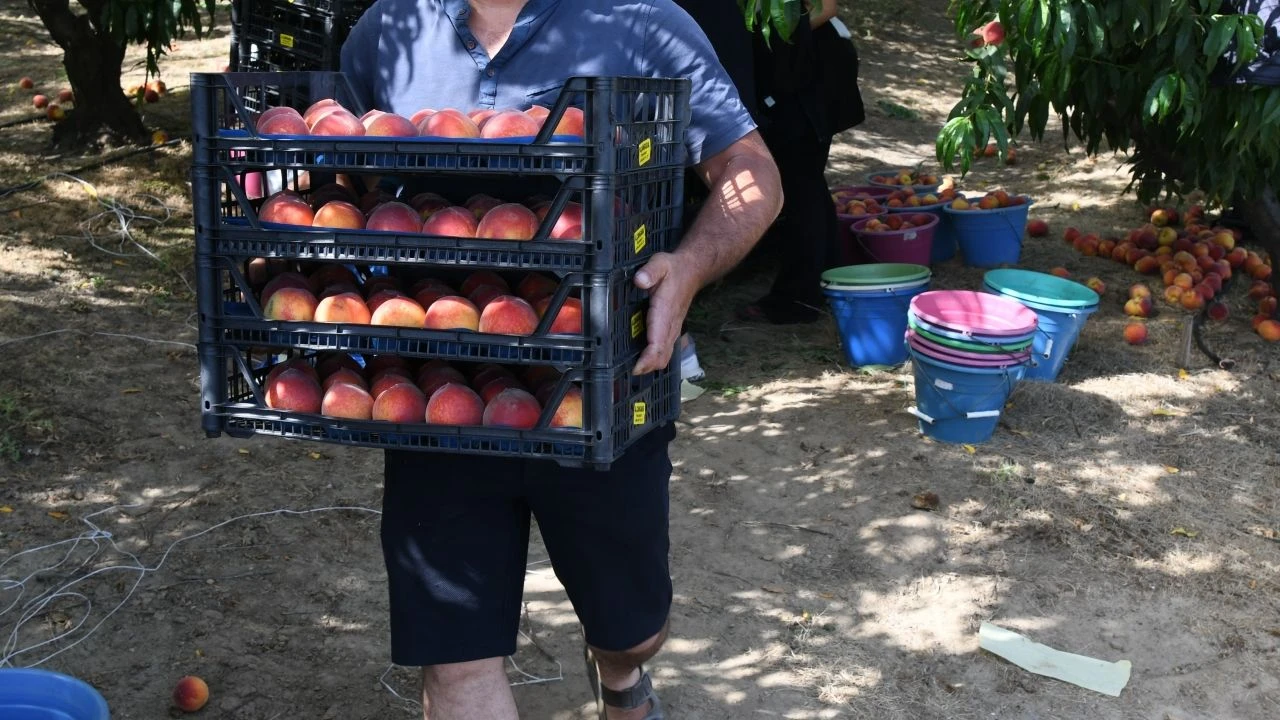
461, 9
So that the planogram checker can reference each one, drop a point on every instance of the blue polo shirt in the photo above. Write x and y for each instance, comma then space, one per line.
405, 55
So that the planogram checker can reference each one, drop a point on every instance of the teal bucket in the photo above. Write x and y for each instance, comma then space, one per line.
872, 323
957, 403
1062, 307
990, 238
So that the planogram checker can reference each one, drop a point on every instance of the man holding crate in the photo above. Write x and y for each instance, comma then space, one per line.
455, 528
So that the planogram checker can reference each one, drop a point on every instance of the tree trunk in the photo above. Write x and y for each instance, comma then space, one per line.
1262, 212
92, 60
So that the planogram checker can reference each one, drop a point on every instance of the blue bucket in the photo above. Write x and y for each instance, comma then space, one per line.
29, 694
873, 323
1062, 307
990, 238
957, 403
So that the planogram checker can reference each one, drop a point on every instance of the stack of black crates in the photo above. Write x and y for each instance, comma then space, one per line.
276, 35
627, 173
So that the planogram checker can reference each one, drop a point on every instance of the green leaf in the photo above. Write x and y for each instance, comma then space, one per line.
1219, 37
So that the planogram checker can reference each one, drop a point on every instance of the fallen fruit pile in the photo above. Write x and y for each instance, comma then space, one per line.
1193, 261
483, 302
389, 388
329, 117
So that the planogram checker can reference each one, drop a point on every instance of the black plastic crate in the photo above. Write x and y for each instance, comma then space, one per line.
618, 409
613, 322
279, 35
626, 219
631, 124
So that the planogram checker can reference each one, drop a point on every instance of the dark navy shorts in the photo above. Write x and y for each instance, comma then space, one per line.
455, 535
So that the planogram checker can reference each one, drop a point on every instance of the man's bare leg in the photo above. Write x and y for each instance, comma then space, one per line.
621, 670
467, 691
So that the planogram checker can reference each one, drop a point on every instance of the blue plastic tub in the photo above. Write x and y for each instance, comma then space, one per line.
873, 323
990, 238
29, 694
957, 403
1056, 333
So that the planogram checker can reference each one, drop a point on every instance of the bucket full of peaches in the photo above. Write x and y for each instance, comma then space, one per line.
854, 203
896, 237
897, 178
906, 200
989, 229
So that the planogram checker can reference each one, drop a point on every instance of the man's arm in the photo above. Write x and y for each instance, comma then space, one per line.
746, 196
821, 12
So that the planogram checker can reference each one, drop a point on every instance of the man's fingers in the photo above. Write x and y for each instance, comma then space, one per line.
653, 272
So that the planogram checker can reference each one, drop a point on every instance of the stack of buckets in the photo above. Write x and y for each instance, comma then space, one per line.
968, 350
870, 305
1061, 306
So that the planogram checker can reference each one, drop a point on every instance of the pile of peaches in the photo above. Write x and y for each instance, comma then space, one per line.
336, 206
483, 302
389, 388
904, 176
329, 117
1193, 261
993, 200
907, 197
897, 222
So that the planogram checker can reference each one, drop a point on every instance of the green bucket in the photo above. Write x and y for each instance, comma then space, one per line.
970, 346
875, 274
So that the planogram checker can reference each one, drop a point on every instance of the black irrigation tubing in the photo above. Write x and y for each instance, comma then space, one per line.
102, 162
23, 121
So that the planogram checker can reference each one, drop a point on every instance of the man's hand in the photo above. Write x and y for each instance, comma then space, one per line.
671, 289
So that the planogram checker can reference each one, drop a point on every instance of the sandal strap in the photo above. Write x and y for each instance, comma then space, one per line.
639, 695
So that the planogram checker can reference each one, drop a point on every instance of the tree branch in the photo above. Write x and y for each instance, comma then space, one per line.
58, 19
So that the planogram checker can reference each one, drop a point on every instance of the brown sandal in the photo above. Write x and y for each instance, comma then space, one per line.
636, 696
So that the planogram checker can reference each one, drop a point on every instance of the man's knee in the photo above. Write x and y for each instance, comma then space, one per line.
634, 656
436, 678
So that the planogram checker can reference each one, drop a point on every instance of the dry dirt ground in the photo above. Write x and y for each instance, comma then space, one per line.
1123, 512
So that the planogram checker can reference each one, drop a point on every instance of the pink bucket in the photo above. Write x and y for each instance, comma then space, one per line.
913, 245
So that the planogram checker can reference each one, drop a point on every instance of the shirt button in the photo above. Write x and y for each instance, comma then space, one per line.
489, 72
471, 44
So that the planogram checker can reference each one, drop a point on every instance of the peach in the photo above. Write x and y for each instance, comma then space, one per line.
1135, 333
1218, 311
452, 313
1138, 307
569, 225
283, 280
568, 413
399, 312
482, 277
428, 295
332, 191
1097, 285
318, 107
1184, 281
378, 297
1139, 290
1236, 257
428, 203
339, 214
1060, 272
508, 315
26, 83
40, 102
1191, 300
297, 363
429, 282
347, 400
480, 204
571, 123
435, 378
451, 221
401, 403
395, 217
295, 391
1037, 228
488, 372
333, 362
378, 283
1070, 234
455, 404
331, 274
1267, 306
509, 124
286, 208
345, 375
510, 221
1260, 272
1148, 265
429, 365
389, 125
485, 294
490, 389
1269, 330
512, 408
449, 123
66, 96
375, 365
190, 694
419, 116
480, 116
538, 112
1173, 295
387, 379
340, 123
535, 286
568, 321
291, 304
347, 307
338, 289
281, 121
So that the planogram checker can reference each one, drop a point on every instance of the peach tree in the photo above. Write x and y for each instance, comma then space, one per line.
1154, 80
93, 36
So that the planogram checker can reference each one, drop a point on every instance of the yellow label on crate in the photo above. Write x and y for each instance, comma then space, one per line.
641, 238
645, 151
637, 324
286, 40
638, 413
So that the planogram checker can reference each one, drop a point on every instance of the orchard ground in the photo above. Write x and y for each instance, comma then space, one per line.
1124, 512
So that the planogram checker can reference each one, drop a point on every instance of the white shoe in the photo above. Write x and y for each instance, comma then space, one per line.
689, 368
